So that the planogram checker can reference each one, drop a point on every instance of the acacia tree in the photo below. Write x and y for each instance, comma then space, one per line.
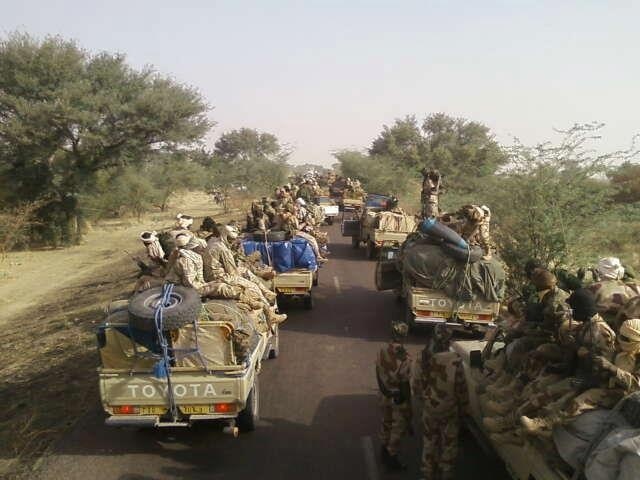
66, 114
249, 158
551, 200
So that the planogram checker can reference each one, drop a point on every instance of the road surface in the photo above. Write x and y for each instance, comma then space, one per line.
318, 405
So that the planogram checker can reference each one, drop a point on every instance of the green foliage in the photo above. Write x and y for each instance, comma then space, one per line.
626, 180
251, 159
552, 202
66, 115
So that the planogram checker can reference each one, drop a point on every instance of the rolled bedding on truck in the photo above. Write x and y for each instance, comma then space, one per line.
424, 263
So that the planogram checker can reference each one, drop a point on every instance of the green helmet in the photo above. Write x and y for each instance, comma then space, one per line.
399, 330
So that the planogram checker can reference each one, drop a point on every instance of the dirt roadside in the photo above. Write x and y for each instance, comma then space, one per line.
50, 303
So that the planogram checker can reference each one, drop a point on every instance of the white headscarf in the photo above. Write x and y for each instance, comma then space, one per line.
610, 268
630, 347
184, 221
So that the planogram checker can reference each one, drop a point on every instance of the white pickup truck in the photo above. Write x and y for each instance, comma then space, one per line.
296, 283
330, 208
210, 378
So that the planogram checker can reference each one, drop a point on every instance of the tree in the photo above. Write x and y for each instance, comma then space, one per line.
550, 202
626, 180
402, 143
250, 158
66, 114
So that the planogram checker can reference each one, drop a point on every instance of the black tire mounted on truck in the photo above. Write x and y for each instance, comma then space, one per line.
184, 307
248, 417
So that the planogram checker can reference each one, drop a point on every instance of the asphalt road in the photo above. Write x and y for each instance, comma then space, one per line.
319, 405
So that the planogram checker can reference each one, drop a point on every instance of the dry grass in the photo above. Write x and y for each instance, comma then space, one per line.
55, 301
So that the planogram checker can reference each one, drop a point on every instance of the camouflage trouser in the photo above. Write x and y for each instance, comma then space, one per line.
430, 206
395, 423
440, 445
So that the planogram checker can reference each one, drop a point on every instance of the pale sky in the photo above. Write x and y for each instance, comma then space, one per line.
326, 75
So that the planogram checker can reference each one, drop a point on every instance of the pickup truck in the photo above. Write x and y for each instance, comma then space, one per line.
329, 207
208, 382
428, 306
296, 284
526, 462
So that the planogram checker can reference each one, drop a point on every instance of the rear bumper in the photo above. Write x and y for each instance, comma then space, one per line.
445, 321
152, 421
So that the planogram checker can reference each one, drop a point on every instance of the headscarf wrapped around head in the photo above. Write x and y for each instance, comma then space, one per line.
610, 268
149, 237
629, 342
182, 240
184, 221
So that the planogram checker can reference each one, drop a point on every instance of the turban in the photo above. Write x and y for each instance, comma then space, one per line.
149, 237
182, 240
184, 221
629, 341
610, 268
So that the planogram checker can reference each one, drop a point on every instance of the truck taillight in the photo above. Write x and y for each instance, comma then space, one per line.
224, 407
125, 410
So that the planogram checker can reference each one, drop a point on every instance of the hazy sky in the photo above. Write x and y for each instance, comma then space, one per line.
325, 75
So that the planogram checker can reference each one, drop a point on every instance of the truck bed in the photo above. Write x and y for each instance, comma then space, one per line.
525, 462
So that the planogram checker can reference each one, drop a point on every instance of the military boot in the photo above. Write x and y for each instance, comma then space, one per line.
512, 390
541, 426
507, 438
384, 455
274, 317
498, 424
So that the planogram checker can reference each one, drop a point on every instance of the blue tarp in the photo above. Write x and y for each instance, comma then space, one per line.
283, 256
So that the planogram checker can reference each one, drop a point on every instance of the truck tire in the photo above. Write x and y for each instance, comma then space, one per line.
248, 417
329, 220
308, 302
185, 305
355, 242
315, 280
371, 250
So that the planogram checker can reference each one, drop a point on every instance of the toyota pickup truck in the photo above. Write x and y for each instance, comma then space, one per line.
329, 208
209, 379
429, 306
296, 284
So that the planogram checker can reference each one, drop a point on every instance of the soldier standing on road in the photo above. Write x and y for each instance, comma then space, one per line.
393, 371
439, 379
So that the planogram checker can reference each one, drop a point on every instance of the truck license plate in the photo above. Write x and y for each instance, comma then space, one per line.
151, 410
196, 409
292, 290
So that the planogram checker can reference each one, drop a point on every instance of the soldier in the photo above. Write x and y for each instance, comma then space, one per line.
475, 229
594, 339
431, 181
439, 379
610, 291
393, 372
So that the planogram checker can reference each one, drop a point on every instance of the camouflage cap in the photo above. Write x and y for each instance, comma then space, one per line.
399, 329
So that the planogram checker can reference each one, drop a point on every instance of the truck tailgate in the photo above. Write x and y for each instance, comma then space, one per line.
294, 281
188, 389
434, 305
381, 236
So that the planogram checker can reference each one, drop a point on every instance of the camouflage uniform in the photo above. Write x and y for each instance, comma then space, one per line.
393, 368
430, 193
440, 381
611, 296
220, 252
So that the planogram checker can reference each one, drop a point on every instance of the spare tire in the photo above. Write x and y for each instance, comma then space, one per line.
184, 307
